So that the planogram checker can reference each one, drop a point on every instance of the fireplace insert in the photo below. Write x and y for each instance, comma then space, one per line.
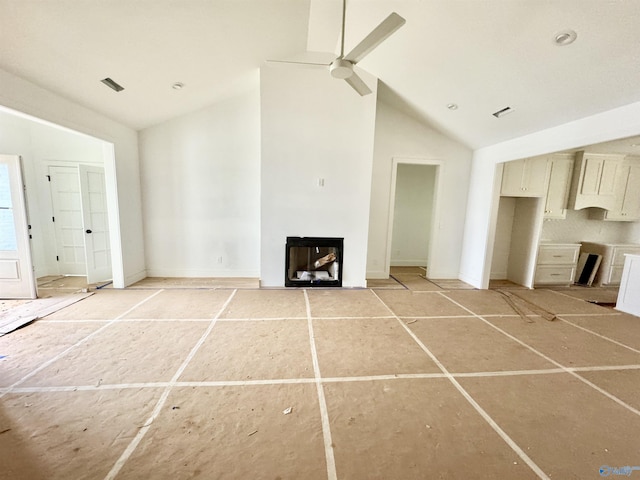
314, 262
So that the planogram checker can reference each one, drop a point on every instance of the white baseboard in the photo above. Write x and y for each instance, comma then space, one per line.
131, 279
409, 263
377, 275
201, 273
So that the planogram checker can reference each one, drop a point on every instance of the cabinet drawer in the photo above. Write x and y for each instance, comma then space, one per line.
619, 253
555, 275
554, 255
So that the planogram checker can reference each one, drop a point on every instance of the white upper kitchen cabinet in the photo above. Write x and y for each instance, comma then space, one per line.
525, 178
594, 181
560, 170
626, 206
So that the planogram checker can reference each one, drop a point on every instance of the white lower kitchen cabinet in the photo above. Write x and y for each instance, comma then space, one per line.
612, 265
556, 263
629, 293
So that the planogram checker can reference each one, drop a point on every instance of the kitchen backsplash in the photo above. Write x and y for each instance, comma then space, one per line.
578, 227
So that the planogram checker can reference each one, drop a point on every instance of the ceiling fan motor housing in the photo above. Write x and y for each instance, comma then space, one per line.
341, 68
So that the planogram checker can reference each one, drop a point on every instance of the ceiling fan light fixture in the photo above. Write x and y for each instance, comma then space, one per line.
452, 106
341, 68
565, 37
177, 86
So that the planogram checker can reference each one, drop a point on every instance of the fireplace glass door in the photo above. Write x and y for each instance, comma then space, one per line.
314, 262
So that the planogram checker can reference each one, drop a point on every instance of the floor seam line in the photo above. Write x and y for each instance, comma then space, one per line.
306, 380
126, 454
599, 335
467, 396
558, 364
322, 402
57, 357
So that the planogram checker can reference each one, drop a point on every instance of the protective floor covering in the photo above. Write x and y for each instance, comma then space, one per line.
320, 384
14, 318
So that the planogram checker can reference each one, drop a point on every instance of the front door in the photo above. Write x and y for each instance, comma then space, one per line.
16, 269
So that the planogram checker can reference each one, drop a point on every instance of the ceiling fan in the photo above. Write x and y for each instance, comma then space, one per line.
341, 67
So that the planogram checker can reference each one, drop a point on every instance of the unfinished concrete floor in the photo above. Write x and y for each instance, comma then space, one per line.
153, 383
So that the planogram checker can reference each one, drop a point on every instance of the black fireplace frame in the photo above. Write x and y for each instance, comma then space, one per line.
310, 242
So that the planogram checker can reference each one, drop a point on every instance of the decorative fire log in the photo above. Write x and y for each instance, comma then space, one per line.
324, 260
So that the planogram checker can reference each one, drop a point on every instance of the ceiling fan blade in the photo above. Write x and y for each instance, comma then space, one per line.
308, 58
389, 25
358, 84
286, 63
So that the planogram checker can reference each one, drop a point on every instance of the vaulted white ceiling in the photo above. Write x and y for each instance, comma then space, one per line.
482, 55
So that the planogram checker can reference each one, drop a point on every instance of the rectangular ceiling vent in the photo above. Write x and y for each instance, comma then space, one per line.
503, 112
112, 85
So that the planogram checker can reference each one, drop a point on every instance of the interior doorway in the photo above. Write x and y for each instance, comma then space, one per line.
517, 234
412, 212
90, 244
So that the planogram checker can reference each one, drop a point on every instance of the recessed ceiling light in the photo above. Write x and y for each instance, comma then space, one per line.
565, 37
452, 106
177, 85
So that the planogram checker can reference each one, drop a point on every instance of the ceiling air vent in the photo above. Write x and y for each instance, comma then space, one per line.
112, 85
503, 112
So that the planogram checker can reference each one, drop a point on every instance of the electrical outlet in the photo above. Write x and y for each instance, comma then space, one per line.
219, 259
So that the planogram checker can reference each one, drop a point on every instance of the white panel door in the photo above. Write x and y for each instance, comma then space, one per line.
96, 223
16, 269
67, 220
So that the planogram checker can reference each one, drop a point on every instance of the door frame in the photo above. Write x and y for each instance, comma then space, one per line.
435, 210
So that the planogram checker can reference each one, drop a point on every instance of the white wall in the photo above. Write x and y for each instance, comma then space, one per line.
314, 126
399, 135
201, 191
482, 201
412, 214
527, 224
26, 97
502, 243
